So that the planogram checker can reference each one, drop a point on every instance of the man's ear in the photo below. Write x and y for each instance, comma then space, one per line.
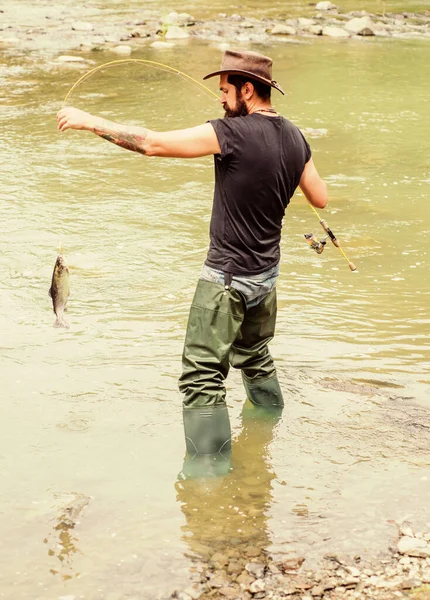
247, 90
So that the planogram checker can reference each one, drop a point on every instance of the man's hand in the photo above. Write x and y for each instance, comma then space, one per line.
73, 118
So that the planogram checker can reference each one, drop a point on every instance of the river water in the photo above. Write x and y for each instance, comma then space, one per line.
95, 411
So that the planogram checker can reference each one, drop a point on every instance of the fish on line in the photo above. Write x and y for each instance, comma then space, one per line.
59, 290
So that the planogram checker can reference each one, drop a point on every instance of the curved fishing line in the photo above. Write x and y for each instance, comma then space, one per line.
150, 63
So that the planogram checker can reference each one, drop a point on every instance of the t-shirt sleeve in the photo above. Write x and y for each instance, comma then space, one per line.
224, 134
308, 152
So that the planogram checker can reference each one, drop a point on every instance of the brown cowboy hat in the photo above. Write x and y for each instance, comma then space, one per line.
254, 65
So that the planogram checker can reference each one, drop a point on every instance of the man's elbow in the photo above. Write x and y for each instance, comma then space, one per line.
153, 145
321, 198
317, 195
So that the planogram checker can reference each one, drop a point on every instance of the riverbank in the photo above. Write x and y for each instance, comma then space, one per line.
249, 573
54, 30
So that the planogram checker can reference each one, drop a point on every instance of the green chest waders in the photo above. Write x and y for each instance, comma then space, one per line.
220, 332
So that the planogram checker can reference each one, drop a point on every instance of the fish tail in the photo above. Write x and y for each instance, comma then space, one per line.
61, 322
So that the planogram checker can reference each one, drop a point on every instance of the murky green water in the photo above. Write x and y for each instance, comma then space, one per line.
95, 410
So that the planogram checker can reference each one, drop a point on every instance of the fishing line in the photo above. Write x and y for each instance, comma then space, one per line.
317, 246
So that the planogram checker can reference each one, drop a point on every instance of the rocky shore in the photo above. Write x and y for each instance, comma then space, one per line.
55, 30
249, 573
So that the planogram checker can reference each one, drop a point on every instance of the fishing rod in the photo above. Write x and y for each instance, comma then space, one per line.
317, 245
151, 63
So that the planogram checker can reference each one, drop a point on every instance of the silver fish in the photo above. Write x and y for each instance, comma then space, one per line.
59, 290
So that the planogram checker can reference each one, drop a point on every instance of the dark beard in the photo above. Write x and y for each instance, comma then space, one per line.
241, 109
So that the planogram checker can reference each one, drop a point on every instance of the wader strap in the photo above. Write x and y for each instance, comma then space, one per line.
228, 278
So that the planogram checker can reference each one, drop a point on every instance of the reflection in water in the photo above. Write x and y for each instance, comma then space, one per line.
65, 546
226, 517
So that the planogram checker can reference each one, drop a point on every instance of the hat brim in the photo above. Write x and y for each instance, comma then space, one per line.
272, 84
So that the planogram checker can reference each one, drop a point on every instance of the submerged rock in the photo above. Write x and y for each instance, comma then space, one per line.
174, 32
160, 44
82, 26
122, 49
70, 59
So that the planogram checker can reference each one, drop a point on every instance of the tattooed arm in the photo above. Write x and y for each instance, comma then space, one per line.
185, 143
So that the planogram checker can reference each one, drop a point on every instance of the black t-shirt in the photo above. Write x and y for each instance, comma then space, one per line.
261, 162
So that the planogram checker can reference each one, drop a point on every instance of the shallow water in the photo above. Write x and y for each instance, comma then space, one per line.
94, 410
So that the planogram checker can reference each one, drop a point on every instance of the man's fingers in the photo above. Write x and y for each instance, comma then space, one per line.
62, 124
62, 119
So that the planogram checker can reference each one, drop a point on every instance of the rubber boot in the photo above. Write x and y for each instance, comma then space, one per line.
208, 441
265, 393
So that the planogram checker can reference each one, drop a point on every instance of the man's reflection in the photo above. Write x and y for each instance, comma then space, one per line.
226, 517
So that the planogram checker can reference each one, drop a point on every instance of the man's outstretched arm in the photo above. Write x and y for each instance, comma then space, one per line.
184, 143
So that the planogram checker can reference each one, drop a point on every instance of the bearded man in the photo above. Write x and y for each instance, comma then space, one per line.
260, 159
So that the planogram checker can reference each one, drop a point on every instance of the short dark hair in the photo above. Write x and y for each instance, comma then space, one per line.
263, 90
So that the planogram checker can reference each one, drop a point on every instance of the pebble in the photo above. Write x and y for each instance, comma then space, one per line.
252, 551
257, 586
193, 593
256, 569
228, 592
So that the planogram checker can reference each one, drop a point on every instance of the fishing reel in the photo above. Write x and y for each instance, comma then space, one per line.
317, 245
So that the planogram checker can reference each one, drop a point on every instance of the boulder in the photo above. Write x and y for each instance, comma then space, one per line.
366, 32
283, 30
414, 547
359, 24
326, 5
336, 32
185, 20
304, 22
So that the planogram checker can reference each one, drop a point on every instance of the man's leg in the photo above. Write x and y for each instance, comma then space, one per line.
250, 353
215, 318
